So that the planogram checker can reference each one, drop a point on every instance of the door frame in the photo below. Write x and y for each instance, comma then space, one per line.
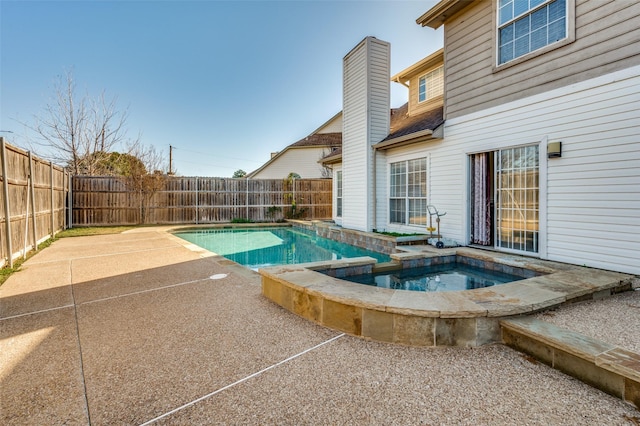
542, 198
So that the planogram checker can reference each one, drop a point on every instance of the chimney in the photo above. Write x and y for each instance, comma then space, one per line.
365, 122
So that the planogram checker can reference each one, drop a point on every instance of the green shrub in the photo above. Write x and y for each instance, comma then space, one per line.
241, 220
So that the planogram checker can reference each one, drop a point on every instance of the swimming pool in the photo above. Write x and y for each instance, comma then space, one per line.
265, 246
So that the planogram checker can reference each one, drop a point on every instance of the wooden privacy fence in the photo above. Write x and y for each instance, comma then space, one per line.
186, 200
34, 199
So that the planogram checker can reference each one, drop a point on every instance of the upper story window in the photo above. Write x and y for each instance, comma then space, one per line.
431, 85
528, 25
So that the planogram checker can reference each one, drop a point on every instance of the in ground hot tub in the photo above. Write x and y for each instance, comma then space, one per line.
445, 273
427, 318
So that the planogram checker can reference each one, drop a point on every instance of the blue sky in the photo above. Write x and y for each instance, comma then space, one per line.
225, 82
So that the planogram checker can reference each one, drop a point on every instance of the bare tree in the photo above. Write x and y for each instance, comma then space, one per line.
325, 171
78, 129
152, 159
148, 178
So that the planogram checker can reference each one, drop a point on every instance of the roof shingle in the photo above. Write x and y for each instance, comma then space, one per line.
402, 124
320, 139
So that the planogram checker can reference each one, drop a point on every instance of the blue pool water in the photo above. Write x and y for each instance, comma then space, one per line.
446, 277
261, 247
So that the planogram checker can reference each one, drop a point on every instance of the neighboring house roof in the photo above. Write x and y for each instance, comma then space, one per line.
329, 140
329, 124
319, 139
325, 136
334, 157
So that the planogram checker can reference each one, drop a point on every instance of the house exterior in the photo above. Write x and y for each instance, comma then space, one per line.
539, 152
416, 123
301, 157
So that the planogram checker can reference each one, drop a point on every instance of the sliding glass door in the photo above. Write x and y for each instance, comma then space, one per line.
505, 195
517, 198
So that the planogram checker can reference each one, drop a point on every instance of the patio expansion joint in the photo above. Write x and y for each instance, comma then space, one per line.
74, 302
102, 255
37, 312
150, 290
240, 381
79, 343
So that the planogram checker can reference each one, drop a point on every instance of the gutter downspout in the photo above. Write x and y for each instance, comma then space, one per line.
375, 189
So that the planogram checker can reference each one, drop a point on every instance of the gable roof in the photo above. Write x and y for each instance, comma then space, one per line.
436, 58
322, 137
328, 123
317, 140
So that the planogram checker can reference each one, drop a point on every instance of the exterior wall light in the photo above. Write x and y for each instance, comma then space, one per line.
554, 149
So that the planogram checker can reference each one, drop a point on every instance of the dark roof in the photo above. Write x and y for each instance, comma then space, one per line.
320, 139
333, 157
402, 124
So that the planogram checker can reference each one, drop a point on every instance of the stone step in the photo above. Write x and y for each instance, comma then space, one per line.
607, 367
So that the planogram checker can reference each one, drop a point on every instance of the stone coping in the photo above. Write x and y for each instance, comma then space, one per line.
226, 225
459, 318
561, 283
602, 365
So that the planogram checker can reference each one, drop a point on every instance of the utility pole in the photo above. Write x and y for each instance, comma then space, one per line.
170, 160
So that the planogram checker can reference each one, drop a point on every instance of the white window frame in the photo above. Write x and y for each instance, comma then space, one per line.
431, 84
570, 32
407, 197
517, 204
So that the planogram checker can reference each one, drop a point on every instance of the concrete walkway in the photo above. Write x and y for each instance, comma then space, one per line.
141, 328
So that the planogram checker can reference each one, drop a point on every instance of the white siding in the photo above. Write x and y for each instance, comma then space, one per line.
382, 192
303, 161
365, 122
445, 164
590, 197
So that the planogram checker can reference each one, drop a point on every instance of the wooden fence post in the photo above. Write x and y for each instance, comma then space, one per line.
197, 180
69, 202
5, 189
53, 219
33, 203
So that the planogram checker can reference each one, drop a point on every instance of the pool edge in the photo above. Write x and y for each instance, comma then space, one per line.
458, 318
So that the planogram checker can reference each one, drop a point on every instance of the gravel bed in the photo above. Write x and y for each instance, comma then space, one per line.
355, 382
614, 320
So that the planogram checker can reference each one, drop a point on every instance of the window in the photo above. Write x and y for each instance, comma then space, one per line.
408, 192
528, 25
339, 193
431, 85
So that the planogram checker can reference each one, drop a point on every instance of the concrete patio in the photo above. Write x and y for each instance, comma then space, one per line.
143, 328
